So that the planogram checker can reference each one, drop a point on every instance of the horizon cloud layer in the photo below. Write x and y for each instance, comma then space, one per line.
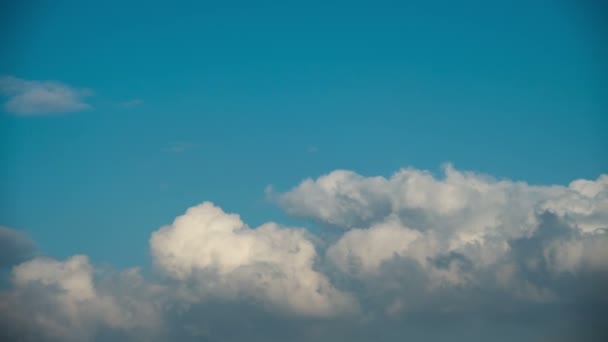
456, 251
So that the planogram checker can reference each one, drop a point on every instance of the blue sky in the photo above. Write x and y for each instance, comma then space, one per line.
271, 94
515, 90
173, 106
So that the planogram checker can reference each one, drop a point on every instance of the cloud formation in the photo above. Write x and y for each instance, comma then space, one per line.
414, 256
62, 301
461, 230
27, 97
227, 259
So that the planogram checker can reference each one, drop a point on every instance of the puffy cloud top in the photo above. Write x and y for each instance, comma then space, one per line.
60, 300
465, 205
269, 263
73, 277
462, 229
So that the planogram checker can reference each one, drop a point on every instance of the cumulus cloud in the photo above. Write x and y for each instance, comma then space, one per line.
462, 231
462, 207
216, 268
62, 301
341, 198
362, 251
27, 97
463, 256
227, 259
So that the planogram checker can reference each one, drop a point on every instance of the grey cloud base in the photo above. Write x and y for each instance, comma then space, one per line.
463, 257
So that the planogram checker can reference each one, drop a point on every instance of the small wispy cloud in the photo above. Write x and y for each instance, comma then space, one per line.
178, 147
312, 149
29, 97
131, 103
269, 192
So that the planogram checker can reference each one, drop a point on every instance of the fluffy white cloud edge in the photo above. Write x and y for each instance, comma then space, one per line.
462, 230
226, 258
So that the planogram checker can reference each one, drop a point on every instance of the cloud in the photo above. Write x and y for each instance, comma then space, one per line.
341, 198
363, 251
416, 215
15, 247
227, 259
62, 301
474, 203
463, 232
462, 257
26, 97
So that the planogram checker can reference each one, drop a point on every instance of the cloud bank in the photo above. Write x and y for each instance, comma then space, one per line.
462, 257
27, 97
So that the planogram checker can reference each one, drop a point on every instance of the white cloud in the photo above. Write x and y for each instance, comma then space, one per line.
27, 97
230, 260
584, 252
364, 250
60, 300
417, 216
465, 205
340, 198
416, 255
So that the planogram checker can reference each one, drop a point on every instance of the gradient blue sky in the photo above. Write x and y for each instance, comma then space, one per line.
217, 100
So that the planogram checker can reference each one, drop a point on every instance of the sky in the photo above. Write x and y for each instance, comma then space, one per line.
416, 156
